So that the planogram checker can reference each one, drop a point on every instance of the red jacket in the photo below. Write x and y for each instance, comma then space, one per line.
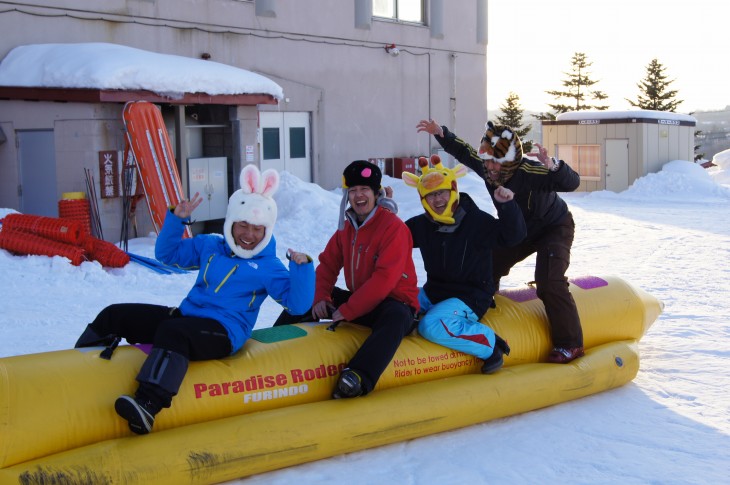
378, 262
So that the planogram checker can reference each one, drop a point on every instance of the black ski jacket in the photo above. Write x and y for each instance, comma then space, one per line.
458, 257
534, 185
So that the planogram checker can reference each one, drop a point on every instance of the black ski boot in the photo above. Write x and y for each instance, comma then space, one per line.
159, 381
348, 385
139, 414
494, 362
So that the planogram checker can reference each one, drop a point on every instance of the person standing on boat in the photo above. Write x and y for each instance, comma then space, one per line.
373, 246
456, 239
236, 273
550, 225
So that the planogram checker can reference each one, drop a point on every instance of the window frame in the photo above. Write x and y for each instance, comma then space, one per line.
395, 17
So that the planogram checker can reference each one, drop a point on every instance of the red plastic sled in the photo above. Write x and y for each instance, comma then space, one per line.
148, 141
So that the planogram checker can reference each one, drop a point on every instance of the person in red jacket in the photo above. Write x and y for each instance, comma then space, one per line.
373, 246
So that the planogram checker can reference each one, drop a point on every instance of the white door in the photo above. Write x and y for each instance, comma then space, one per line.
37, 156
284, 143
617, 165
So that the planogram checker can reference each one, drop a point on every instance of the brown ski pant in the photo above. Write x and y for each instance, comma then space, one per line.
553, 258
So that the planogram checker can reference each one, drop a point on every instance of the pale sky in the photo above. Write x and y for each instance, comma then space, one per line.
531, 43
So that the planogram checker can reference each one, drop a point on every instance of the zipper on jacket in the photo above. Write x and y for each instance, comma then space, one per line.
463, 254
354, 265
359, 255
352, 261
205, 273
230, 273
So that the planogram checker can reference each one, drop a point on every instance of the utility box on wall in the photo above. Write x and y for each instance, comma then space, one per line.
403, 164
384, 164
209, 177
394, 167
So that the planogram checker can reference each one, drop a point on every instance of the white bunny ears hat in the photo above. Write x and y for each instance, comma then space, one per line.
253, 203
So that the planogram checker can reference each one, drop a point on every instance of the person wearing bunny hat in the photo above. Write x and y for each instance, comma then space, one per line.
218, 315
550, 226
456, 239
373, 247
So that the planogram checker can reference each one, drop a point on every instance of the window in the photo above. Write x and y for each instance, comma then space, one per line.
297, 143
271, 144
405, 10
584, 159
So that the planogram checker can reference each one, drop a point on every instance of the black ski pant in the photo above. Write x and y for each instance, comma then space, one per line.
175, 340
390, 321
552, 247
339, 296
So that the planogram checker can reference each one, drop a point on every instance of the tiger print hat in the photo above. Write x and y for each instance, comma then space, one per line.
502, 145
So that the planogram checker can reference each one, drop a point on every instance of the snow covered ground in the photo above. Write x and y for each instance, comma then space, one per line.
669, 234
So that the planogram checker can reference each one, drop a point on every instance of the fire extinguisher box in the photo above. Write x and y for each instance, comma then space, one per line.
384, 164
403, 164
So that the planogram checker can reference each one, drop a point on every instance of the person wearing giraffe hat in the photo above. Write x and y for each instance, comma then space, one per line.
499, 160
456, 239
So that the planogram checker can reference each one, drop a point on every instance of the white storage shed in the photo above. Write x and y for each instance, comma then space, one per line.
611, 149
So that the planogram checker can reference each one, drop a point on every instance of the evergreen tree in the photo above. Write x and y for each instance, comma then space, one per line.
512, 117
545, 116
578, 88
653, 92
699, 135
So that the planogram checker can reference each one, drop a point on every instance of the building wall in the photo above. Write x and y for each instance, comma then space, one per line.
81, 131
664, 143
9, 174
365, 103
74, 145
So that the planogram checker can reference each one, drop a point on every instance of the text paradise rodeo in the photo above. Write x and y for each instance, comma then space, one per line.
282, 384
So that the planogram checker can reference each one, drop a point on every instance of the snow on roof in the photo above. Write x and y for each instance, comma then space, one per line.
627, 114
111, 66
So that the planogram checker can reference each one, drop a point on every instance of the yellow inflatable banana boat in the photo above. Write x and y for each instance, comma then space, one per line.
269, 406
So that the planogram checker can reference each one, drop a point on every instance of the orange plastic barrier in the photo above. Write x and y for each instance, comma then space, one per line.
106, 253
49, 236
61, 230
21, 242
75, 206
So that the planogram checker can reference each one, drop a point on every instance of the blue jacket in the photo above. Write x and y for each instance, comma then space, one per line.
230, 289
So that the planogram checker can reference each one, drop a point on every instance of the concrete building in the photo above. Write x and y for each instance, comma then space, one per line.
611, 149
357, 75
